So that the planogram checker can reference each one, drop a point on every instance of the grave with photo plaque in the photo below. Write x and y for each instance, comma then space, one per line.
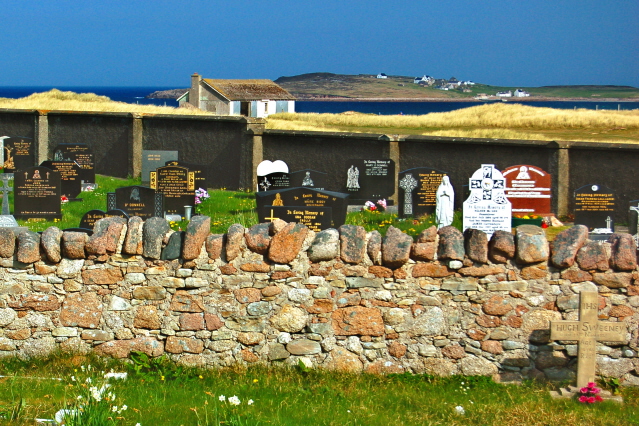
81, 154
272, 175
200, 172
37, 192
177, 184
151, 160
528, 188
370, 180
69, 176
418, 191
19, 153
595, 208
308, 178
137, 200
487, 208
314, 208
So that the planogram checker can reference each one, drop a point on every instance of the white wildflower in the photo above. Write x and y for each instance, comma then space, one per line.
234, 400
222, 398
73, 378
117, 376
114, 408
460, 410
124, 407
138, 424
88, 380
250, 402
62, 414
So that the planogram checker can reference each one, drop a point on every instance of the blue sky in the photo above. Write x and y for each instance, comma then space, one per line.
162, 42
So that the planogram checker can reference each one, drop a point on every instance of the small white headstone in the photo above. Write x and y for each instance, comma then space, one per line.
487, 207
267, 167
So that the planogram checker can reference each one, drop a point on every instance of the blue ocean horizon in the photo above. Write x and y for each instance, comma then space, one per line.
137, 94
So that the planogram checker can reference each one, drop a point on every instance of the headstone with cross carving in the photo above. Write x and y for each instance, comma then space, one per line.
587, 332
6, 219
423, 198
408, 184
487, 207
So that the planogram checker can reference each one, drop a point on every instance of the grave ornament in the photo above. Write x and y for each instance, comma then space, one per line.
445, 210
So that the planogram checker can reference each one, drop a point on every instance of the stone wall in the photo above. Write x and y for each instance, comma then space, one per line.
348, 299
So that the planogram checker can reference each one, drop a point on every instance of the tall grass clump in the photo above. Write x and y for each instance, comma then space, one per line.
57, 100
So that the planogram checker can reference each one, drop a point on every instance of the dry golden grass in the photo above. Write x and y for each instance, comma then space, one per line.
503, 121
56, 100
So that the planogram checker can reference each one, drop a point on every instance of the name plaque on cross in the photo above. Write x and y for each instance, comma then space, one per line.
587, 332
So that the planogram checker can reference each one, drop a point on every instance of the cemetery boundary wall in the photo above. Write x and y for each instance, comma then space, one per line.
232, 147
338, 299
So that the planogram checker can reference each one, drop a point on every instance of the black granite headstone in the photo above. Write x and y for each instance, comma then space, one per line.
69, 176
633, 219
178, 186
200, 172
151, 160
308, 178
82, 154
595, 207
315, 218
370, 180
136, 200
273, 181
305, 199
418, 191
37, 194
19, 153
89, 218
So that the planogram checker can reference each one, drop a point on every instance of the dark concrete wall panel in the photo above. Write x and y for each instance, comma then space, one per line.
13, 123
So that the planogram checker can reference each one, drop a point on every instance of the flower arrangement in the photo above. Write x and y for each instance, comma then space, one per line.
64, 199
590, 394
201, 195
526, 216
379, 206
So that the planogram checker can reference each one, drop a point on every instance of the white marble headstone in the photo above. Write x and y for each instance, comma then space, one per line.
487, 207
2, 138
267, 167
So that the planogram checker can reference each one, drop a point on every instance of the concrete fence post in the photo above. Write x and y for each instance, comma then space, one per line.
41, 134
253, 153
135, 146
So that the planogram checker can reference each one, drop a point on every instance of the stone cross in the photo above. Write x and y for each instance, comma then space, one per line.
408, 183
587, 331
5, 194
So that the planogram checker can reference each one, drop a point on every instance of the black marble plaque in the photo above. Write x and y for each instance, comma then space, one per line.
137, 200
81, 154
273, 181
633, 219
315, 218
200, 172
69, 176
370, 180
19, 153
595, 207
89, 218
177, 184
308, 178
304, 197
418, 191
151, 160
37, 192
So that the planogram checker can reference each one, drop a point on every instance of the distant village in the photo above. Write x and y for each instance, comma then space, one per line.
464, 86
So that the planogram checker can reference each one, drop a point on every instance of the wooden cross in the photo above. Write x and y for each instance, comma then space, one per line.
5, 194
587, 331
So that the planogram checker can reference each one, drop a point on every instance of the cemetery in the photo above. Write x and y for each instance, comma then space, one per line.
375, 265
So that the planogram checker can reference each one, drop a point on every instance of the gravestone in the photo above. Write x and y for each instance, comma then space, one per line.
6, 219
314, 208
587, 332
272, 175
37, 192
2, 138
487, 207
69, 177
595, 208
308, 178
151, 160
177, 184
370, 180
200, 172
89, 218
82, 154
418, 189
137, 200
528, 189
19, 153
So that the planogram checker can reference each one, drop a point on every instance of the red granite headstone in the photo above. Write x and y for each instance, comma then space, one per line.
528, 189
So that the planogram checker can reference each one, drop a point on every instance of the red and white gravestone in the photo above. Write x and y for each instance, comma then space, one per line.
528, 189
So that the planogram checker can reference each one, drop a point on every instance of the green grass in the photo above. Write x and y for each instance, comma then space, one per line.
168, 395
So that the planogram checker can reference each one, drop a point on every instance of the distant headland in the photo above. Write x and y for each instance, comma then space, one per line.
388, 88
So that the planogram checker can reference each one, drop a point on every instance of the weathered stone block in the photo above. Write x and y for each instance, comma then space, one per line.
7, 242
153, 232
214, 245
358, 321
623, 252
196, 232
501, 246
81, 310
106, 235
287, 243
73, 244
258, 238
50, 241
325, 246
28, 247
395, 248
133, 239
613, 279
532, 246
451, 244
432, 270
593, 256
103, 276
352, 243
476, 245
567, 244
234, 241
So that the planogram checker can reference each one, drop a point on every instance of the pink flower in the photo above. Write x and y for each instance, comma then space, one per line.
595, 390
591, 400
584, 390
598, 398
583, 399
591, 384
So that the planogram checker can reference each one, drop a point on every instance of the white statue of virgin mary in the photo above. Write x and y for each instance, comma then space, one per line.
445, 207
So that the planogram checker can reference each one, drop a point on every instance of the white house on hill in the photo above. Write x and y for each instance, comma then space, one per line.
252, 98
521, 93
382, 75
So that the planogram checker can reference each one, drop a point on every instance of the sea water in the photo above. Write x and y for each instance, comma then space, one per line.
138, 95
